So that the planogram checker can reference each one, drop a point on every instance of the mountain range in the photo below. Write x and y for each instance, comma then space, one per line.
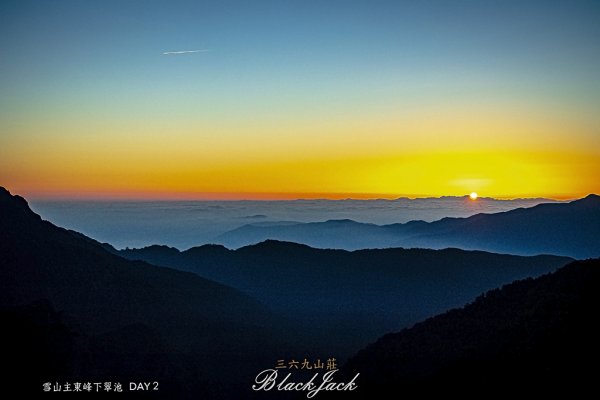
101, 315
365, 292
205, 321
569, 229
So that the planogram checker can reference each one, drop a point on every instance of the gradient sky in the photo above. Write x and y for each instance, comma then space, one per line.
299, 98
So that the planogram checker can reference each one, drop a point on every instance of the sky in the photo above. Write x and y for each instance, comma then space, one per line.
299, 99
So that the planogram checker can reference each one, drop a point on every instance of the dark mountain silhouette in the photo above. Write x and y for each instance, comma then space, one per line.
569, 229
354, 296
335, 234
71, 309
78, 309
537, 335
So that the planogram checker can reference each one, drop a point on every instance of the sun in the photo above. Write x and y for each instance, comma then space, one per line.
473, 196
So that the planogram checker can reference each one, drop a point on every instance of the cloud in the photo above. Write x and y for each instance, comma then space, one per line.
169, 53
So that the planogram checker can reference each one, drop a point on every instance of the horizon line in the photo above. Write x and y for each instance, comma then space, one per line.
266, 196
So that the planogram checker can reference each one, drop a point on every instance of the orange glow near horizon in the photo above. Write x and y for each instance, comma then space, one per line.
448, 150
437, 150
498, 174
301, 102
68, 170
214, 196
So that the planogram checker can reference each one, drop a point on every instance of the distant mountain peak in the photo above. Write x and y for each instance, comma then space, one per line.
590, 198
160, 247
210, 246
562, 228
592, 201
346, 221
276, 244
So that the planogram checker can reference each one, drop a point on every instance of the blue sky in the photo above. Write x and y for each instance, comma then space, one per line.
84, 66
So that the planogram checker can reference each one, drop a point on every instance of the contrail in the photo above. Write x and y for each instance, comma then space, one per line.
167, 53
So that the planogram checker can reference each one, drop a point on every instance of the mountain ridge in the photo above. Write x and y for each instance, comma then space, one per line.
384, 288
567, 229
532, 334
165, 313
85, 313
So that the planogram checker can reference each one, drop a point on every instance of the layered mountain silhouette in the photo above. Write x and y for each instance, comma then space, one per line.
569, 229
205, 321
536, 335
354, 296
72, 310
